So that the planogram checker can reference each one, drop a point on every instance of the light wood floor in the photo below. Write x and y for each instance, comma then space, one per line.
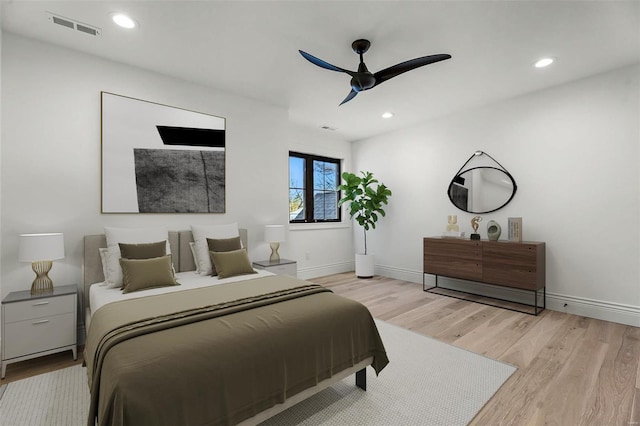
571, 370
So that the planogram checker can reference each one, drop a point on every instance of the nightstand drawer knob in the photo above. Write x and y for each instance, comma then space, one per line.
41, 303
40, 322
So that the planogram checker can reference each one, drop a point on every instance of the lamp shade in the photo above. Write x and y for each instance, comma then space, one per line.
274, 233
35, 247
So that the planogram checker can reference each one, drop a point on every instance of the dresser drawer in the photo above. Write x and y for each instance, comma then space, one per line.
37, 335
38, 308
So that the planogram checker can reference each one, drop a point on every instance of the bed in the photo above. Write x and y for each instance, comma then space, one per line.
236, 350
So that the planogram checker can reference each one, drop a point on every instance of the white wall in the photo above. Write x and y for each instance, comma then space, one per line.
50, 165
573, 151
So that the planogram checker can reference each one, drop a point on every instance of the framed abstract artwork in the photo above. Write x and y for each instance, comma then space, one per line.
160, 159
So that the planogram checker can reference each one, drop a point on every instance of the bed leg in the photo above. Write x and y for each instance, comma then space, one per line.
361, 379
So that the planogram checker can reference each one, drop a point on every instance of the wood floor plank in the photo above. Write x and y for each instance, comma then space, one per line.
615, 391
526, 348
567, 403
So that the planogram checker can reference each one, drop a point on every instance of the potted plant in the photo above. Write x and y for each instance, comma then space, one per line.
366, 197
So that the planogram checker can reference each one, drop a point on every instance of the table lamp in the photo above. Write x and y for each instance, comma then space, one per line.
41, 250
274, 234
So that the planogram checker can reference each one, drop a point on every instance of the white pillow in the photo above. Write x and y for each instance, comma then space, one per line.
200, 235
192, 246
103, 259
115, 236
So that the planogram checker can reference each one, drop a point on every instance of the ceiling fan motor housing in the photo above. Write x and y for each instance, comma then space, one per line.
363, 82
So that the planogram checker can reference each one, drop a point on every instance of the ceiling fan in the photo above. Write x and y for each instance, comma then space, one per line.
363, 79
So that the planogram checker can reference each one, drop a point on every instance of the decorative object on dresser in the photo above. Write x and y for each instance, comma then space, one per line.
452, 223
161, 159
481, 187
366, 197
515, 229
493, 230
41, 250
274, 235
507, 264
475, 222
35, 325
453, 230
280, 266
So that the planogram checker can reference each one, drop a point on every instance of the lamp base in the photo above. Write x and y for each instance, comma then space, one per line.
42, 283
275, 257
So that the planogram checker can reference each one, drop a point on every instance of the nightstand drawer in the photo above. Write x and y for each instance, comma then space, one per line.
278, 267
37, 335
37, 308
288, 269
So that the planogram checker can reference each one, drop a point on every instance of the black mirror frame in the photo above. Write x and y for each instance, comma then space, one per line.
458, 177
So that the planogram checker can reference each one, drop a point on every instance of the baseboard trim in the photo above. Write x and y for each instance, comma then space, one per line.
322, 270
598, 309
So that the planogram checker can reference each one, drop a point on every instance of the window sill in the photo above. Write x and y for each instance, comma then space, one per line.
318, 226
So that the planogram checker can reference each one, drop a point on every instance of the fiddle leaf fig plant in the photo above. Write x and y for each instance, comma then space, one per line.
366, 197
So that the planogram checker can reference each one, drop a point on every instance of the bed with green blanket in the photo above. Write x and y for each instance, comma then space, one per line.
234, 353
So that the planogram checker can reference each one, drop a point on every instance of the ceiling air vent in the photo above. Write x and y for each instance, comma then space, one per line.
74, 25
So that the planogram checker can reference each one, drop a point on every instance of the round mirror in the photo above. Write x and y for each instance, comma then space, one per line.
482, 189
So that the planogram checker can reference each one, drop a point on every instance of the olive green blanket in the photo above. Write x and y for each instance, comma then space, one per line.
219, 355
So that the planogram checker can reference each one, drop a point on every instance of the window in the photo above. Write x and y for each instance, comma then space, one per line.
313, 188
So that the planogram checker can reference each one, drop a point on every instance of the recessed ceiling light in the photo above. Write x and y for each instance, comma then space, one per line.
544, 62
123, 20
387, 115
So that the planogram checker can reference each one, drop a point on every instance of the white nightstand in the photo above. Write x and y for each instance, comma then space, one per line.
34, 325
281, 267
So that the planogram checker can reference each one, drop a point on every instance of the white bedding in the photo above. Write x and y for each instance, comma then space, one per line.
100, 295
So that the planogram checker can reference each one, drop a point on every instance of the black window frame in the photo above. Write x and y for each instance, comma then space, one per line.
309, 187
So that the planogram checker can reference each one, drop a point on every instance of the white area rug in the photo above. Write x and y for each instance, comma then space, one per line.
59, 398
427, 382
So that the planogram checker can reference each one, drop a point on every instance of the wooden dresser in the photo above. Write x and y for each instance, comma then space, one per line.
503, 263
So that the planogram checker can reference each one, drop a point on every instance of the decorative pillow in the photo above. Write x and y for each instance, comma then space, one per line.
128, 235
221, 245
103, 259
142, 274
143, 250
200, 235
192, 246
232, 263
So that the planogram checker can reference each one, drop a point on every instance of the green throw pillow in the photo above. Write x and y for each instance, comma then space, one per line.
232, 263
143, 250
220, 245
142, 274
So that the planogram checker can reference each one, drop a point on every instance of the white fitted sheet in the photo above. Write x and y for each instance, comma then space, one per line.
100, 295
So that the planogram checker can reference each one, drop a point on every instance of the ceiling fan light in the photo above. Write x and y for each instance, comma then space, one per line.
544, 62
123, 21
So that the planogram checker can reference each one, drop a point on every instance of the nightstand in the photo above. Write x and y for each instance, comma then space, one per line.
280, 267
34, 325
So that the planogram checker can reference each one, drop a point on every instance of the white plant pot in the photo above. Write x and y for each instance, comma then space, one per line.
365, 265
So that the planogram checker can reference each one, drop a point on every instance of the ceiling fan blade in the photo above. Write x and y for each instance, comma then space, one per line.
323, 64
352, 94
387, 73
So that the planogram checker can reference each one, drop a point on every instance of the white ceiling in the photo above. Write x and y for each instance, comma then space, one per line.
251, 49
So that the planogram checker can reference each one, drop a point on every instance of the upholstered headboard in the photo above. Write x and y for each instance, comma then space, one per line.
181, 256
